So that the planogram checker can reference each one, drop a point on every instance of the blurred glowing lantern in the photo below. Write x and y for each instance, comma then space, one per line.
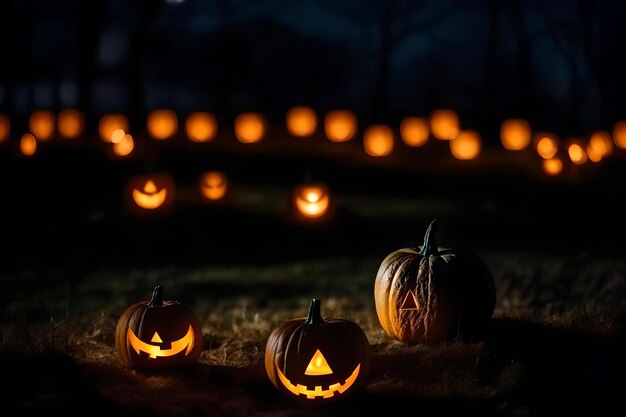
70, 123
301, 121
151, 192
124, 146
110, 123
619, 134
5, 127
201, 126
552, 166
414, 131
250, 127
28, 144
593, 154
213, 185
311, 200
41, 124
547, 145
515, 134
576, 152
466, 145
162, 124
378, 140
444, 124
600, 144
340, 125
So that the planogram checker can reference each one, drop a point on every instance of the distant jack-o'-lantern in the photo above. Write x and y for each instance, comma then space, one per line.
330, 361
5, 127
201, 126
466, 145
28, 144
41, 124
311, 200
546, 144
151, 192
444, 124
109, 123
378, 140
70, 123
414, 131
515, 134
340, 125
619, 134
576, 151
301, 121
162, 124
158, 333
552, 166
213, 185
250, 127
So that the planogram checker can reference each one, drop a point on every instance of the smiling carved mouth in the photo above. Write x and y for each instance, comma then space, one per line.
177, 346
318, 391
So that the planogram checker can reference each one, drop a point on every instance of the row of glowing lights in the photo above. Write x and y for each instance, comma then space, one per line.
156, 191
339, 126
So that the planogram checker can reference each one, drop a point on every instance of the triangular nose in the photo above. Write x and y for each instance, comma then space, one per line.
318, 365
409, 303
156, 338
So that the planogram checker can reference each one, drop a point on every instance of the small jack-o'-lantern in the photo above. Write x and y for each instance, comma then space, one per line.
213, 185
444, 124
429, 294
466, 145
378, 140
28, 144
162, 124
340, 125
301, 121
330, 359
151, 192
41, 124
158, 333
201, 126
250, 127
311, 200
70, 123
515, 134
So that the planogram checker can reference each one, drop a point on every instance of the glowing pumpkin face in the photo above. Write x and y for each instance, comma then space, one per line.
330, 361
311, 200
158, 333
151, 192
213, 185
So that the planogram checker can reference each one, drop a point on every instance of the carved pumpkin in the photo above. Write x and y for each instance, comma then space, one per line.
213, 185
151, 192
429, 294
318, 360
311, 200
158, 333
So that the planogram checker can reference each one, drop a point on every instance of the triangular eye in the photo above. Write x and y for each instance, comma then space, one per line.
318, 365
156, 338
410, 302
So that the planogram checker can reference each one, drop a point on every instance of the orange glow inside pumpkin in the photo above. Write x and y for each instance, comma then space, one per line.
250, 127
312, 200
414, 131
41, 124
213, 185
466, 145
515, 134
340, 125
319, 391
201, 126
185, 343
301, 121
149, 197
162, 124
378, 140
109, 123
70, 123
318, 365
444, 124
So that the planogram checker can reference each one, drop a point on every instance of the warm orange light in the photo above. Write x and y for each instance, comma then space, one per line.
312, 200
41, 124
593, 154
444, 124
515, 134
155, 351
552, 166
318, 391
546, 145
149, 198
213, 185
600, 144
301, 121
117, 135
28, 144
124, 146
5, 127
619, 134
70, 123
250, 127
414, 131
466, 145
201, 126
340, 125
109, 123
162, 124
378, 140
577, 153
318, 365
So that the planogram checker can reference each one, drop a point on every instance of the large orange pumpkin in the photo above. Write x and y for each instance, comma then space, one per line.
429, 294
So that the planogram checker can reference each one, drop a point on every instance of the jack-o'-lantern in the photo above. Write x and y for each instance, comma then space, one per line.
213, 185
162, 124
109, 123
515, 134
5, 127
201, 126
250, 127
444, 124
158, 333
311, 200
430, 294
70, 123
41, 124
378, 140
340, 125
318, 360
151, 192
301, 121
414, 131
466, 145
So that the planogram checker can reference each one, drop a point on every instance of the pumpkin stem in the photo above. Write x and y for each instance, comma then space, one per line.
157, 297
429, 247
315, 312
